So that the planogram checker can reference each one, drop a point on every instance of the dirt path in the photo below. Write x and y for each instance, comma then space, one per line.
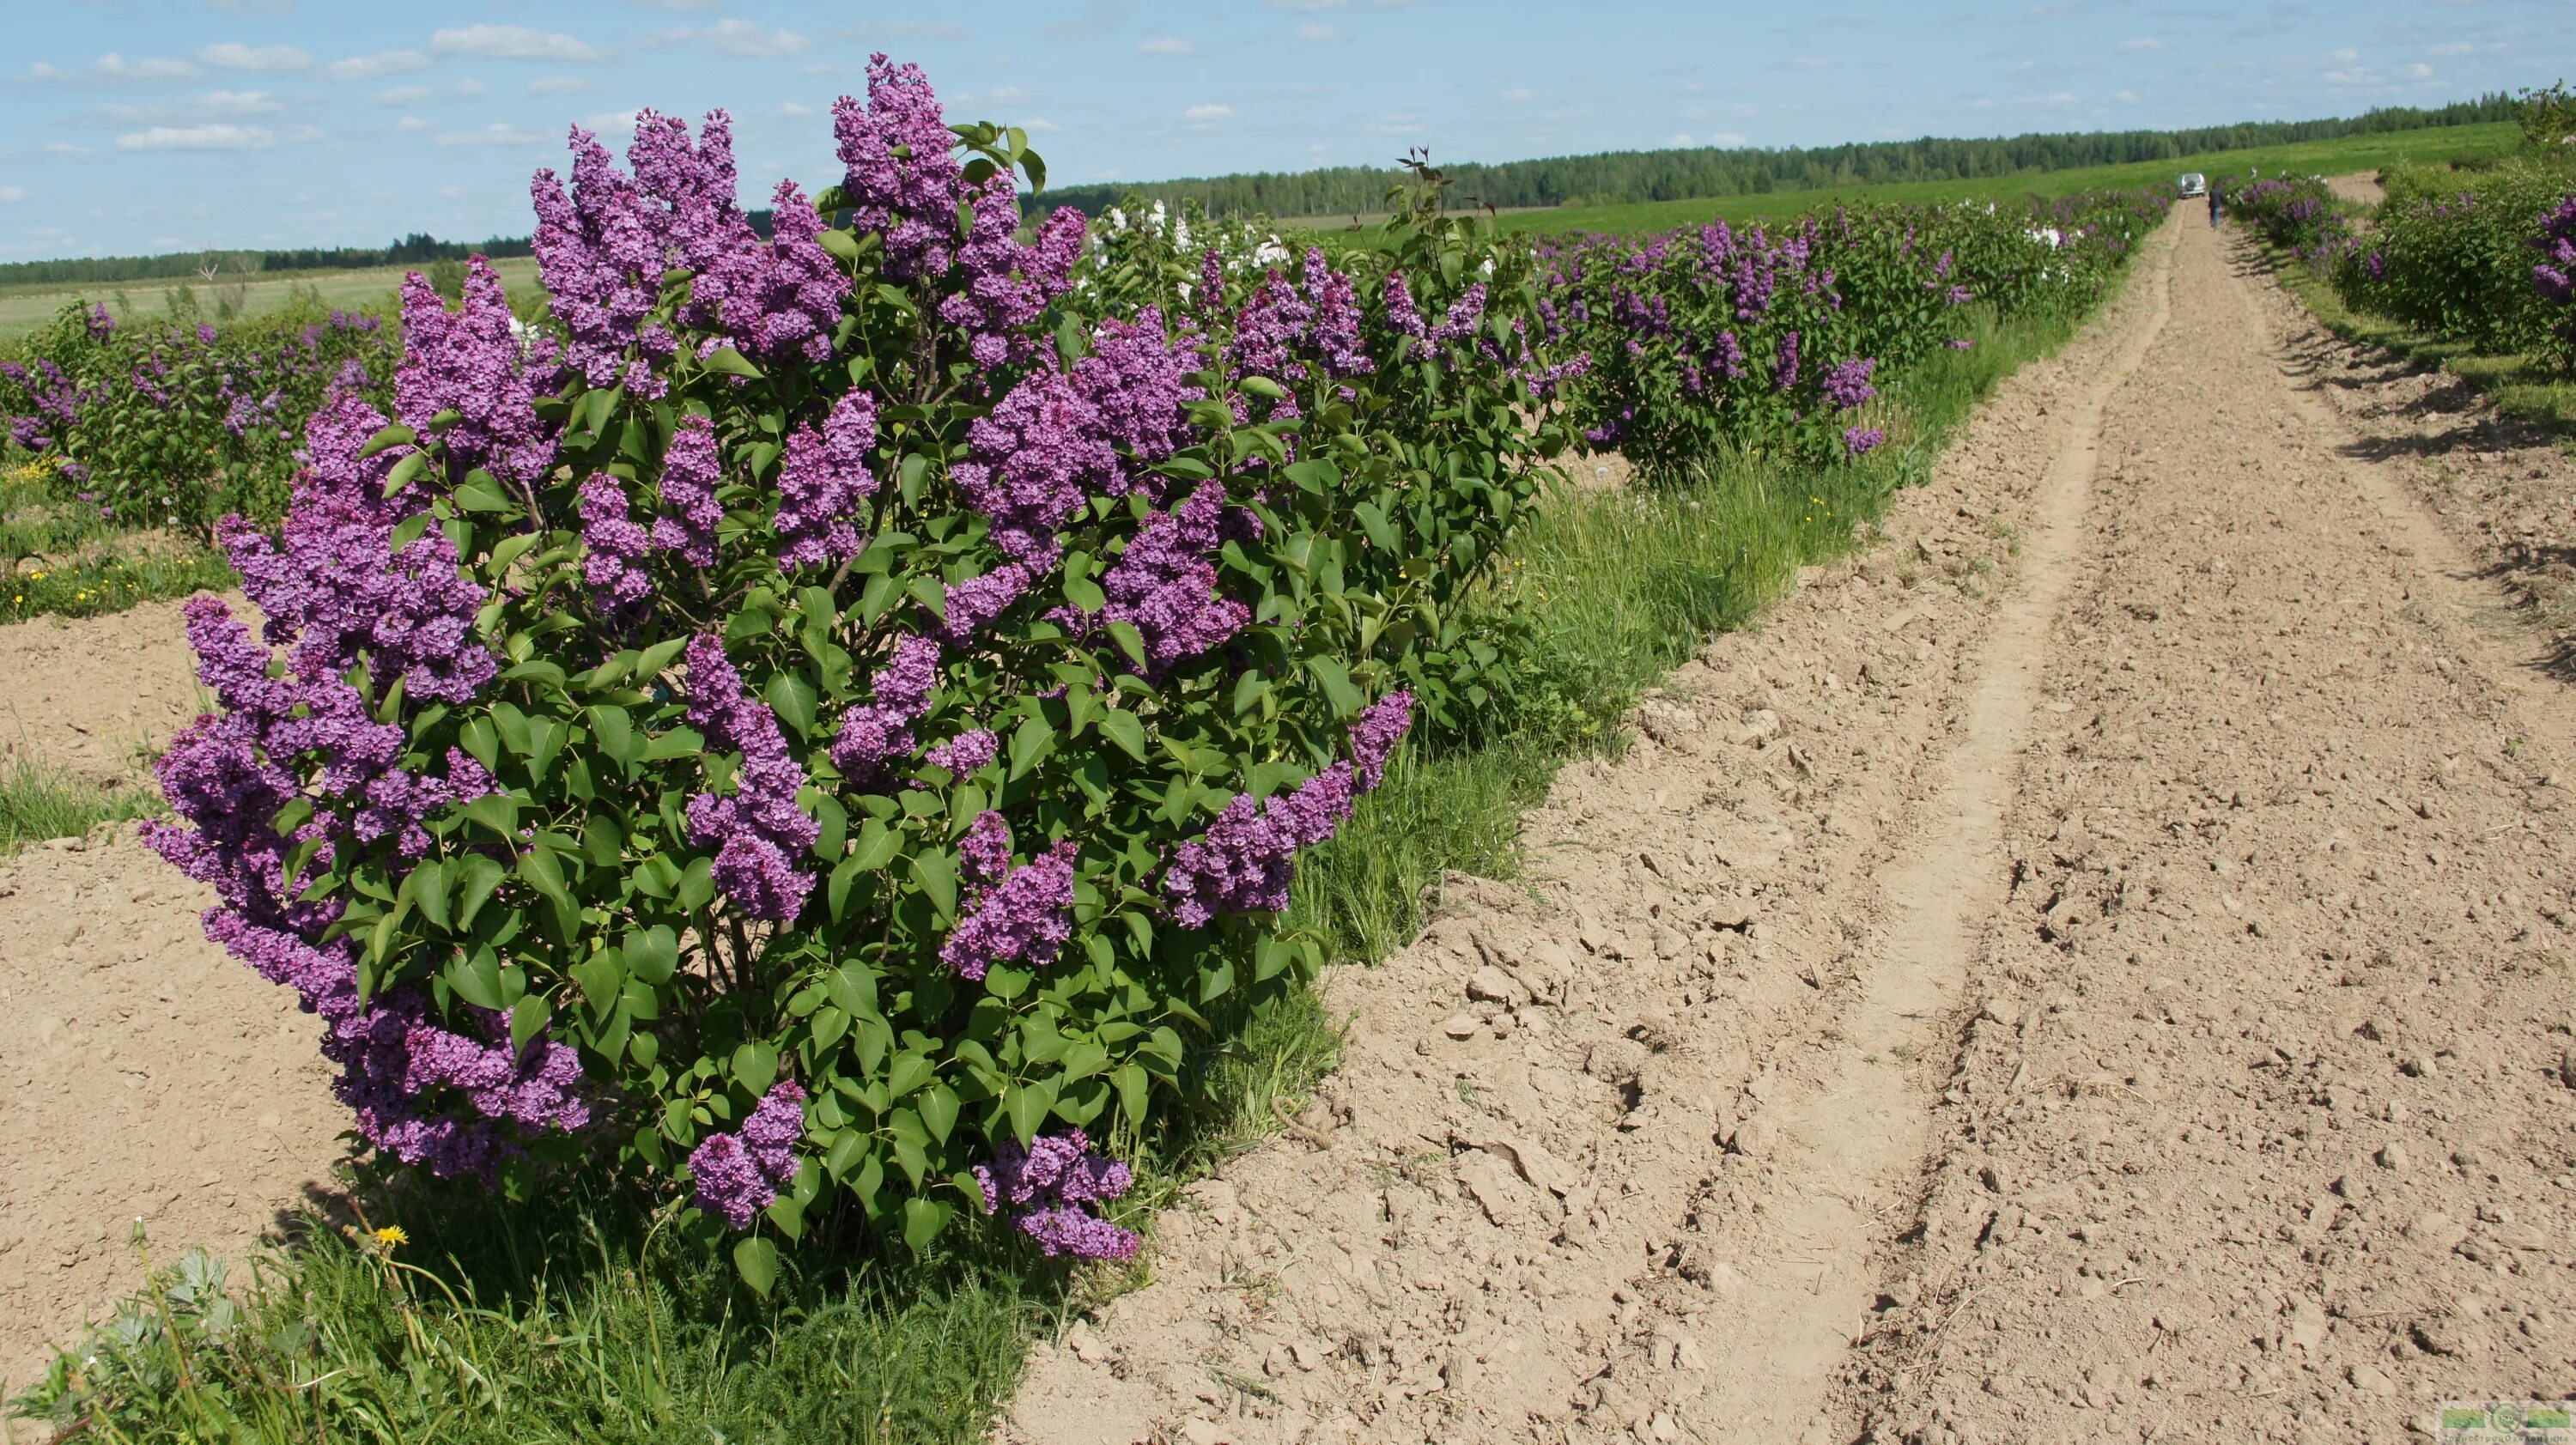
2125, 1006
96, 695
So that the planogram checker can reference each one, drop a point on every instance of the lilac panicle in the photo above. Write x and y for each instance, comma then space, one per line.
821, 482
1050, 1187
691, 470
738, 1175
879, 731
613, 549
986, 848
1023, 919
1035, 459
1375, 736
965, 752
1247, 858
759, 833
1848, 384
1165, 584
901, 176
1862, 440
469, 363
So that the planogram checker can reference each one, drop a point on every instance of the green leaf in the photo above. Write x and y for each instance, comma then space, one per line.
392, 436
615, 730
698, 884
1336, 682
528, 1019
938, 1108
792, 698
923, 1219
1127, 731
652, 954
602, 980
405, 472
475, 876
474, 495
1027, 1106
497, 811
755, 1258
935, 872
544, 872
755, 1067
679, 742
477, 981
729, 362
1130, 641
427, 887
1030, 745
1132, 1097
829, 1023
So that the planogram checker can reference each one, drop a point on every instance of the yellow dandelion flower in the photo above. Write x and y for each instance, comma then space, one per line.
392, 1235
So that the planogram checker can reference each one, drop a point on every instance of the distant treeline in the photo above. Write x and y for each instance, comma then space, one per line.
414, 250
1624, 177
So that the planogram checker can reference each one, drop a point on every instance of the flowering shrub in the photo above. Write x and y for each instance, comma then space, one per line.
2554, 276
175, 424
1711, 338
2454, 255
2299, 215
830, 722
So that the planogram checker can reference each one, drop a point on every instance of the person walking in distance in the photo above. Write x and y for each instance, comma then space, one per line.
2217, 207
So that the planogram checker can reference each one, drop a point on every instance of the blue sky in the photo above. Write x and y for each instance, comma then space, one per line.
157, 125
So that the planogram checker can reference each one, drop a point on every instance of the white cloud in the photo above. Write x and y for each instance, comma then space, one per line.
1398, 123
232, 55
404, 94
1207, 114
2061, 97
1319, 34
510, 42
2453, 47
198, 138
1811, 62
2419, 71
1726, 138
2126, 97
252, 7
1166, 45
113, 66
2142, 45
791, 107
411, 125
1009, 94
213, 105
498, 133
66, 148
1520, 95
743, 37
376, 66
1679, 138
12, 195
558, 85
611, 122
677, 5
1040, 125
453, 193
2347, 55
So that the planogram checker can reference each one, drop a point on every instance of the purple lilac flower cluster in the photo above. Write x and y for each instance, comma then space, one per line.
1051, 1188
1165, 583
879, 731
468, 363
738, 1175
2555, 274
692, 468
1024, 918
759, 833
1247, 859
821, 483
614, 550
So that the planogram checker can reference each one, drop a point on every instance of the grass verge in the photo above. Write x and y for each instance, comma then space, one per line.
37, 803
569, 1318
57, 558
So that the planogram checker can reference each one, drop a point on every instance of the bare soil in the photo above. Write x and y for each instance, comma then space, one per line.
97, 695
2362, 186
2093, 968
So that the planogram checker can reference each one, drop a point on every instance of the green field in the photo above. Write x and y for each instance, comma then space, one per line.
2325, 158
24, 308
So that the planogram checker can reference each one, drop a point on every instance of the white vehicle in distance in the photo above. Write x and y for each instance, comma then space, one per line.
2193, 183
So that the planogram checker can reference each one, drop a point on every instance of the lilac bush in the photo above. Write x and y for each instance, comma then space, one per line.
824, 727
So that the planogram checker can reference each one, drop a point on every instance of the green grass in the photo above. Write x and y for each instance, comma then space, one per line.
2521, 386
58, 558
574, 1318
27, 306
2326, 158
37, 803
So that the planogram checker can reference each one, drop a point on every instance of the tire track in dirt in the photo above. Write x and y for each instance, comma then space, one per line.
1618, 1155
1866, 1129
2262, 1129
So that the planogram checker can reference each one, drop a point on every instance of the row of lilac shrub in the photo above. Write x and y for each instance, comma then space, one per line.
175, 423
2482, 256
820, 729
1710, 339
